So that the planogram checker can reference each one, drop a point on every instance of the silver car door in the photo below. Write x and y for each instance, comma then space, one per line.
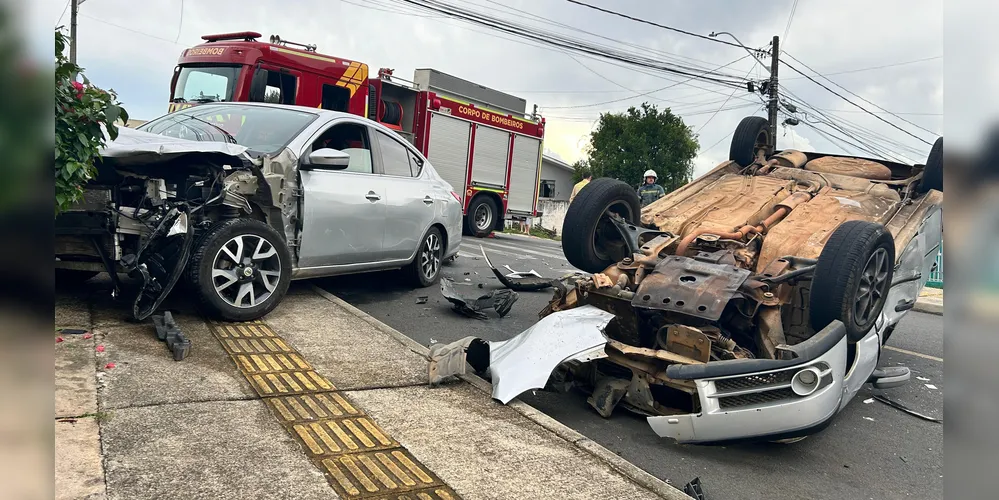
343, 215
411, 198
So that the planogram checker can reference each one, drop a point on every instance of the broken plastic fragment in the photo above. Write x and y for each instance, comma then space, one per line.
59, 339
931, 386
109, 366
922, 379
100, 348
88, 336
868, 401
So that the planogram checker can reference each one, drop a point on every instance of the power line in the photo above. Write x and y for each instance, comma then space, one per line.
705, 124
64, 9
841, 96
871, 68
92, 18
180, 25
644, 21
787, 28
857, 96
638, 95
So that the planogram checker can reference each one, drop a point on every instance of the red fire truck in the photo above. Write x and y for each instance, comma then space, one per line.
491, 158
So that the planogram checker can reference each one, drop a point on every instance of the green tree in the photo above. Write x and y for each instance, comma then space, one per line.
625, 145
579, 170
82, 113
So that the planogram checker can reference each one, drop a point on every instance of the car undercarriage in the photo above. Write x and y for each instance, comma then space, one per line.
758, 295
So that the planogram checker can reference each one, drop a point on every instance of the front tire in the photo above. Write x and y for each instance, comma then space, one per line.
852, 278
482, 216
590, 241
241, 269
425, 269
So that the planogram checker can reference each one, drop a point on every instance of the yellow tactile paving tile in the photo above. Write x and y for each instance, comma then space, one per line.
268, 384
312, 407
358, 457
380, 473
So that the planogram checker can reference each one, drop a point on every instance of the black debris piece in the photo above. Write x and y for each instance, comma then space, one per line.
72, 331
499, 300
422, 299
168, 331
693, 489
520, 284
910, 411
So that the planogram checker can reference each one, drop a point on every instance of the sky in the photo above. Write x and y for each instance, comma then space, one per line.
888, 53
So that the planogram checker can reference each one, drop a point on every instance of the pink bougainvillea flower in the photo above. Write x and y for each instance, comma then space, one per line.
79, 89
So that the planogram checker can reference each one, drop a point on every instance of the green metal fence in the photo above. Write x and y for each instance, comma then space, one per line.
937, 274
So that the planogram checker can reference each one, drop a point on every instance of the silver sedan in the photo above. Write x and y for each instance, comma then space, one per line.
256, 195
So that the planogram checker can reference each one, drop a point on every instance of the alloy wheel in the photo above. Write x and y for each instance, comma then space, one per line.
246, 271
430, 256
873, 286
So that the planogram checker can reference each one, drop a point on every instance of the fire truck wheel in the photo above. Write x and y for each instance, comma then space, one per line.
481, 218
241, 269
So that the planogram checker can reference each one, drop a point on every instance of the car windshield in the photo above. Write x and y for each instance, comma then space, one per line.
262, 129
206, 83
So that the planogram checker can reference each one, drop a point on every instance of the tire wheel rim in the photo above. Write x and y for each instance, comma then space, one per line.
605, 229
762, 143
483, 217
430, 257
246, 271
872, 287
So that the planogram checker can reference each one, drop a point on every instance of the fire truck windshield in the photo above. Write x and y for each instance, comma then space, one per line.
206, 83
262, 129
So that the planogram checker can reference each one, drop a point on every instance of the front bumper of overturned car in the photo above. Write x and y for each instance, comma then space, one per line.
753, 400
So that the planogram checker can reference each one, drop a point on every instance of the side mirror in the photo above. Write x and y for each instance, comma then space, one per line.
329, 158
258, 85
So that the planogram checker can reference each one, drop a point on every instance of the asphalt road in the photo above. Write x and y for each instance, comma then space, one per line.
871, 450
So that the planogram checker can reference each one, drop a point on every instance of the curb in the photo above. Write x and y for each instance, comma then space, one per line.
624, 467
929, 307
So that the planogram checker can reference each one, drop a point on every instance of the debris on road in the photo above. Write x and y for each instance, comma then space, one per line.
422, 299
59, 339
88, 336
693, 489
452, 360
499, 300
931, 386
922, 379
109, 366
168, 331
906, 409
869, 418
71, 331
521, 282
100, 348
868, 401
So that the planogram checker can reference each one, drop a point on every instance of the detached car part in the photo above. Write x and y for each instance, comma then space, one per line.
520, 284
499, 300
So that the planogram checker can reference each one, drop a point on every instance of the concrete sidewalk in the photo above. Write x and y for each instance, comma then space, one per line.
355, 418
930, 301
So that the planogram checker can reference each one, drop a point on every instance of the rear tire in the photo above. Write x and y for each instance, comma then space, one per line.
933, 172
589, 241
751, 135
248, 286
482, 216
852, 278
425, 269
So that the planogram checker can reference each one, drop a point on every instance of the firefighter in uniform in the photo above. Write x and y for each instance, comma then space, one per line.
650, 191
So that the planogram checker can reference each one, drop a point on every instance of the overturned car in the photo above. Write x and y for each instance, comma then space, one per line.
750, 304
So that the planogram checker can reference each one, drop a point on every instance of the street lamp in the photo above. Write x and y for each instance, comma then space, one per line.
715, 34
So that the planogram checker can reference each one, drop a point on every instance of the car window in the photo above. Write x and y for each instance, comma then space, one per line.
352, 139
415, 164
261, 129
395, 156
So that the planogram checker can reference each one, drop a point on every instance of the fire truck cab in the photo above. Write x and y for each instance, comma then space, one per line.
491, 158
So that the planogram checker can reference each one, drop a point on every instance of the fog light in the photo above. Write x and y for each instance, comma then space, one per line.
805, 381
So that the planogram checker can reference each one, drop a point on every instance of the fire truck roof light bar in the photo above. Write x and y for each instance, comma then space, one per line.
276, 40
249, 36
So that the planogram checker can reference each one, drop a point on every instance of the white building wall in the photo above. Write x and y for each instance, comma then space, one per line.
562, 177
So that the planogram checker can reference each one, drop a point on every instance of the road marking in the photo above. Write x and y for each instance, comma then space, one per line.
914, 353
476, 253
360, 460
491, 245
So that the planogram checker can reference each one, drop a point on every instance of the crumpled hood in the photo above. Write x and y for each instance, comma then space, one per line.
136, 146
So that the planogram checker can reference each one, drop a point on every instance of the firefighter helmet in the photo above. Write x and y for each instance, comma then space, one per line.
651, 173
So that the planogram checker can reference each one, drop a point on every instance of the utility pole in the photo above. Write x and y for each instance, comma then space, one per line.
74, 9
772, 91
